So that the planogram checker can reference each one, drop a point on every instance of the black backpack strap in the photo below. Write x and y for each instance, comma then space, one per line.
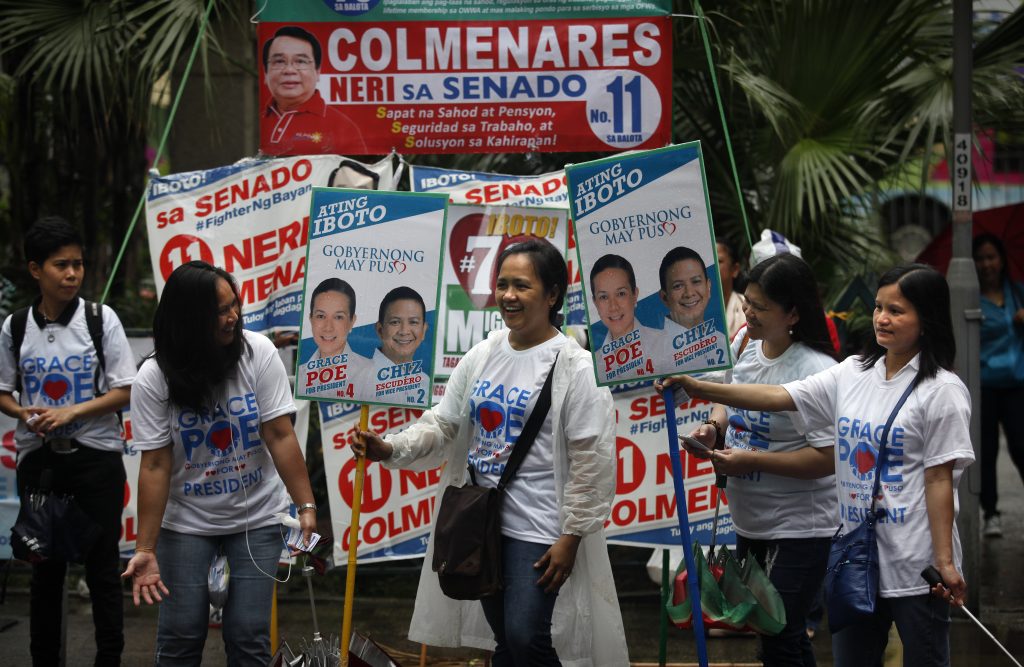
19, 320
94, 321
530, 430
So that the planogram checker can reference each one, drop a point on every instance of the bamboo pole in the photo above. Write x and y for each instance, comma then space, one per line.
353, 543
275, 637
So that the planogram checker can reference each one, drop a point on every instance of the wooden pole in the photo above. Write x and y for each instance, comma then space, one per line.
275, 637
353, 543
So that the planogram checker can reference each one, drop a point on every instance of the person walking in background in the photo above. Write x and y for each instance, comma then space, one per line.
73, 369
929, 448
558, 602
781, 490
1002, 370
211, 413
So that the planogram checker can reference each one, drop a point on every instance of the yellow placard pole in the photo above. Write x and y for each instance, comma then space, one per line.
353, 542
275, 638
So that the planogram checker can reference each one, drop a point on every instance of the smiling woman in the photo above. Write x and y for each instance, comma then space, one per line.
554, 557
211, 401
913, 348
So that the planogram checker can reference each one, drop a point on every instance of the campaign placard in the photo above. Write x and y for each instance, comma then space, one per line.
475, 238
648, 264
464, 76
397, 507
488, 189
250, 219
9, 503
644, 510
370, 297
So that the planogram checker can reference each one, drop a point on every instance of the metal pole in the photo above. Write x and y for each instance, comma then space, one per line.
964, 290
692, 576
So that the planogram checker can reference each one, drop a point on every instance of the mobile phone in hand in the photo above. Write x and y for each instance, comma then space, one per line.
695, 443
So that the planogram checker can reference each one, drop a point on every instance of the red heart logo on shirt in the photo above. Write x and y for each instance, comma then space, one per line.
221, 438
865, 461
490, 419
55, 389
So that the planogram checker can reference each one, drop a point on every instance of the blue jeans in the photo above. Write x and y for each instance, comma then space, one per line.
520, 615
185, 613
797, 569
921, 620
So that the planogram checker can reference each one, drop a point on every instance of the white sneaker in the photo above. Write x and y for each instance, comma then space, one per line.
993, 527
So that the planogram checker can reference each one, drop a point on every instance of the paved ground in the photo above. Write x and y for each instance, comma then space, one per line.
384, 605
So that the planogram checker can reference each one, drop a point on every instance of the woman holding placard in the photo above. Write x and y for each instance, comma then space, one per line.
782, 489
554, 509
211, 413
927, 448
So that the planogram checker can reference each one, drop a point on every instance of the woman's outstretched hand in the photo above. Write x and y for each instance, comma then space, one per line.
144, 572
371, 446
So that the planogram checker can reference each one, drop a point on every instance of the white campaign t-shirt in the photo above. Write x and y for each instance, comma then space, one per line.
679, 348
500, 403
399, 383
222, 471
766, 506
932, 428
627, 356
62, 373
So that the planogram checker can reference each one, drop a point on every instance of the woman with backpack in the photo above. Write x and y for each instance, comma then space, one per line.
70, 363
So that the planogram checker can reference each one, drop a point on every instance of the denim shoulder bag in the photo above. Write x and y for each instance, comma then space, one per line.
851, 580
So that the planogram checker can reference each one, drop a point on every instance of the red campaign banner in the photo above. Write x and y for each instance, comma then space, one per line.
553, 85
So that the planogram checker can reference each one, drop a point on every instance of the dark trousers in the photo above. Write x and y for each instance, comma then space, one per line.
796, 569
999, 406
96, 480
922, 622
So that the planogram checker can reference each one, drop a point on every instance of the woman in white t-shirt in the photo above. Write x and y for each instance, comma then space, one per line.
781, 487
929, 446
211, 413
554, 508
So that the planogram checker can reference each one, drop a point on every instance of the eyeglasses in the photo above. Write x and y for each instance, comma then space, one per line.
301, 64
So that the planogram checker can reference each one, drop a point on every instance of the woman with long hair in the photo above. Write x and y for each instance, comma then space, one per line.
211, 413
558, 602
782, 490
929, 446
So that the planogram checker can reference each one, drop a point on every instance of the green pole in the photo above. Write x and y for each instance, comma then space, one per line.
160, 149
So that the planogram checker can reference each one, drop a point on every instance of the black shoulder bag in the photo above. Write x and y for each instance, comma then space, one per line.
467, 532
851, 580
